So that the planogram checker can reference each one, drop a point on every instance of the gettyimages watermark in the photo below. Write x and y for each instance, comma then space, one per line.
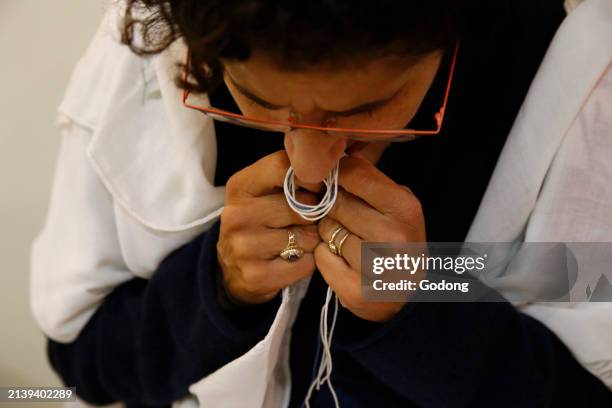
520, 272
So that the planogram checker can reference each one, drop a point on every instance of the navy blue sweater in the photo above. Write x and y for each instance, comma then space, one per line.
151, 339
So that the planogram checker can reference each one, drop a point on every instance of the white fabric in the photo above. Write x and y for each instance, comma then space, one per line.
571, 5
579, 187
130, 185
134, 180
553, 182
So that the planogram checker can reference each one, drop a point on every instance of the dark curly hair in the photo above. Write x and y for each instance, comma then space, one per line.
296, 34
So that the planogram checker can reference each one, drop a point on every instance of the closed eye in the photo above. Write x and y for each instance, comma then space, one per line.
261, 103
367, 108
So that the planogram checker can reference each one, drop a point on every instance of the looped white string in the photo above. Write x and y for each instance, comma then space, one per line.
325, 366
318, 211
315, 213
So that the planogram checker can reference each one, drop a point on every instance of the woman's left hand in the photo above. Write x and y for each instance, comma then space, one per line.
371, 207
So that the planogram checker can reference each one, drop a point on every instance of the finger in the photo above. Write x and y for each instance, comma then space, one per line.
359, 217
274, 212
269, 210
265, 278
351, 245
312, 187
338, 275
265, 176
282, 273
362, 179
267, 243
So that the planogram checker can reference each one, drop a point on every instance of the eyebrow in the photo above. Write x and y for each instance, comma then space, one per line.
353, 111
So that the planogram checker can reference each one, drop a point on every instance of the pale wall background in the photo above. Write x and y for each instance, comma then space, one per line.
40, 42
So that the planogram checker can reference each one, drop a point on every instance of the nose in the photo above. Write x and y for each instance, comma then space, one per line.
313, 154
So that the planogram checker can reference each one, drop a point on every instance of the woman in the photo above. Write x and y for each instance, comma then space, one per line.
159, 273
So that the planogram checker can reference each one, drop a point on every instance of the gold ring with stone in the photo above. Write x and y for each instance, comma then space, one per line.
333, 248
292, 251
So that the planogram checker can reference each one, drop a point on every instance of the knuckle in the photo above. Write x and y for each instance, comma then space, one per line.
278, 161
235, 217
233, 186
340, 207
412, 202
227, 220
407, 204
358, 170
324, 226
226, 216
416, 205
240, 244
227, 250
223, 249
396, 236
406, 189
252, 278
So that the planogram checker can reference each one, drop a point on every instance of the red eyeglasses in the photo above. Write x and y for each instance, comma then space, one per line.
387, 135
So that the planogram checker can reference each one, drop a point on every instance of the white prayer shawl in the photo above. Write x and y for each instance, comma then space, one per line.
134, 181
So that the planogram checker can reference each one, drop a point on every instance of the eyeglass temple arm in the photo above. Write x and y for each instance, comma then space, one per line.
439, 116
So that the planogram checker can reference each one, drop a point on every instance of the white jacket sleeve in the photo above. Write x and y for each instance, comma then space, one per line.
76, 260
575, 206
134, 180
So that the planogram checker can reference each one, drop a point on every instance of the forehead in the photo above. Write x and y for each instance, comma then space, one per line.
328, 86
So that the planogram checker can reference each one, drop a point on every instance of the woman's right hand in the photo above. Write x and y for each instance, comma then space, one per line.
254, 230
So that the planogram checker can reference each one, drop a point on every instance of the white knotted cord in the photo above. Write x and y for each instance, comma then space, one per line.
315, 213
325, 366
320, 210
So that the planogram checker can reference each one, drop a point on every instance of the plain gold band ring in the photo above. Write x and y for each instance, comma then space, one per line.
339, 246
